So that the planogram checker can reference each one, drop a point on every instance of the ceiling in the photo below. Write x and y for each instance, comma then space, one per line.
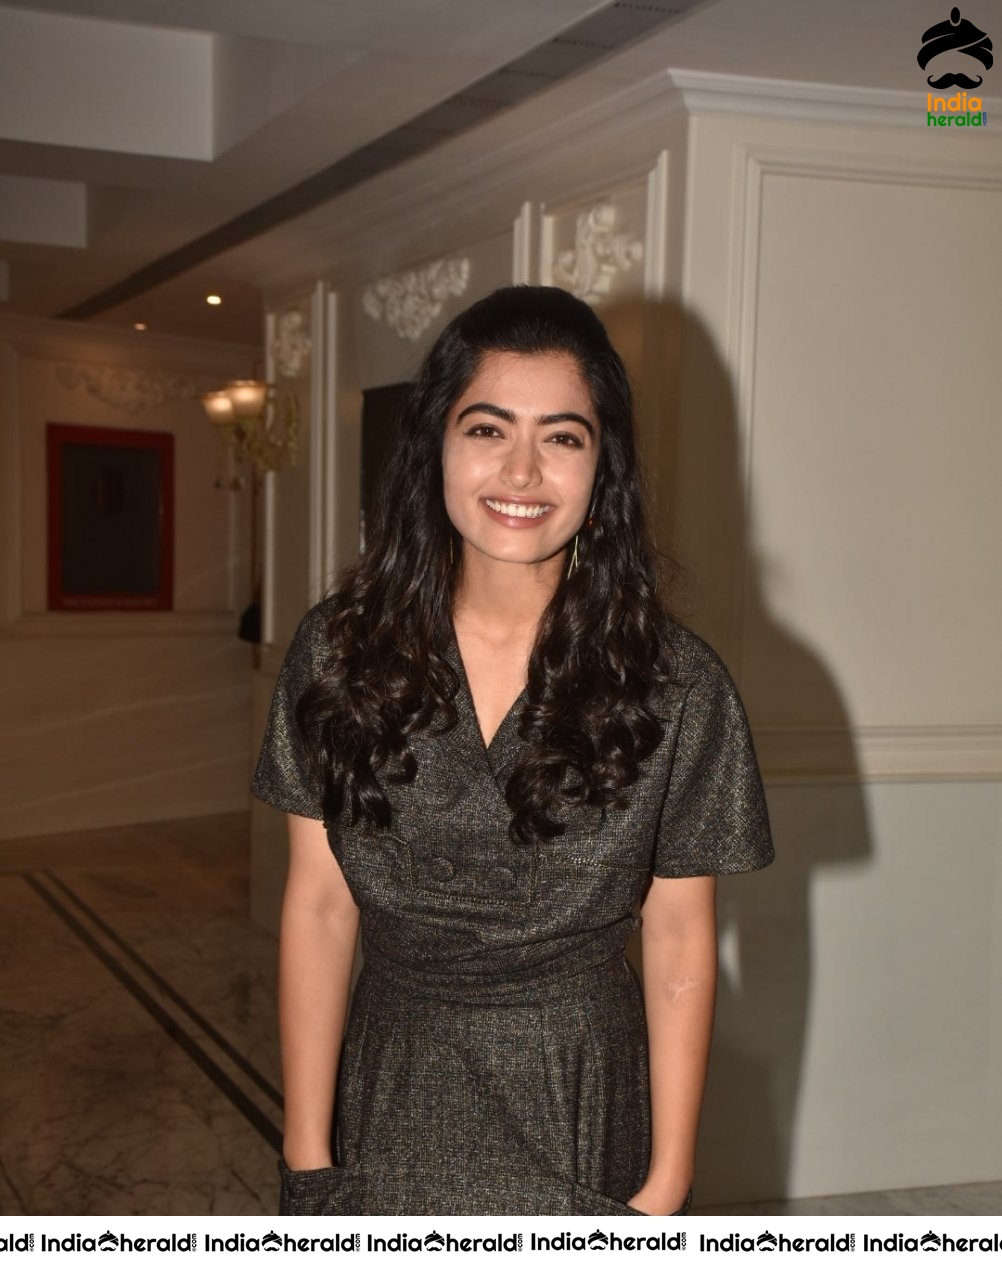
130, 129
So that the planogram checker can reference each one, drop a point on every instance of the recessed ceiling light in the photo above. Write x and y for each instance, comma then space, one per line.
139, 325
213, 300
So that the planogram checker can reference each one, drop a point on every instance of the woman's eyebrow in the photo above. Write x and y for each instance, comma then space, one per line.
506, 415
567, 417
494, 410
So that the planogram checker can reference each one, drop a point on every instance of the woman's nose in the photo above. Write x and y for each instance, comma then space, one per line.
521, 467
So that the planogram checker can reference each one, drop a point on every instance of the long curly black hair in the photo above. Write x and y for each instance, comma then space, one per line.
601, 648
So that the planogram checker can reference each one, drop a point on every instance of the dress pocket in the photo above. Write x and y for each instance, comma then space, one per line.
588, 1201
312, 1192
686, 1205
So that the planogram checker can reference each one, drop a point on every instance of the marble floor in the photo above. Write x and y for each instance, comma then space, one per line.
139, 1067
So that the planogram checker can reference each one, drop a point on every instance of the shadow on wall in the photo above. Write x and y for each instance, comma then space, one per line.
691, 448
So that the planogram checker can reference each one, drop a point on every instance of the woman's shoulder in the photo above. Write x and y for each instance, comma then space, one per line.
317, 618
307, 654
693, 659
312, 632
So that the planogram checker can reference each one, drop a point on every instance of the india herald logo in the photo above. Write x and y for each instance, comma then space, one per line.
948, 41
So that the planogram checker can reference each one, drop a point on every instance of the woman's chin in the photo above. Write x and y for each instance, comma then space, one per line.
515, 553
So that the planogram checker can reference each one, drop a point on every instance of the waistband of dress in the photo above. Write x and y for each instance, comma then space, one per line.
516, 985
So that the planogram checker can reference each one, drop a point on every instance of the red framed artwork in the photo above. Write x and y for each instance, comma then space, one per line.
110, 519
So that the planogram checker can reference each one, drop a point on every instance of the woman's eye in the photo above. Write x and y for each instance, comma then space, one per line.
565, 439
482, 428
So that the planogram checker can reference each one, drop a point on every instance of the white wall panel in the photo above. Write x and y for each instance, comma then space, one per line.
857, 1048
836, 441
875, 449
833, 458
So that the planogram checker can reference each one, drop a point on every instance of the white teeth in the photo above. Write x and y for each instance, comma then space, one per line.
515, 510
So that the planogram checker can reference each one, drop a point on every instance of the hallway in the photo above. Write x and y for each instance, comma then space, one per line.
139, 1061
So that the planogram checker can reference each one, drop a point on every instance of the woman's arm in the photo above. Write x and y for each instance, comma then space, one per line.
316, 950
679, 937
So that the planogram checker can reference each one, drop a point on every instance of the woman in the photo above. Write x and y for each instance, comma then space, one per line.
492, 744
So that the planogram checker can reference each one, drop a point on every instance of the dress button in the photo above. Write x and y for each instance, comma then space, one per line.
505, 877
441, 868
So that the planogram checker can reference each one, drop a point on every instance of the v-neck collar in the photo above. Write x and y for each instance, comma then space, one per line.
467, 738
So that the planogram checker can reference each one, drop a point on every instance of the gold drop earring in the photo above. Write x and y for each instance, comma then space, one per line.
572, 568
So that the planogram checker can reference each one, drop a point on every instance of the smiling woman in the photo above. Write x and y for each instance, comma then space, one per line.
519, 457
494, 745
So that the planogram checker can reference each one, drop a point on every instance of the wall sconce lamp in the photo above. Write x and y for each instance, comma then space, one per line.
256, 424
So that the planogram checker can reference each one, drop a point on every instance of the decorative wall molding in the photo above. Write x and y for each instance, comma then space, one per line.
333, 547
752, 165
320, 442
628, 124
524, 252
290, 343
801, 101
599, 253
409, 301
886, 753
657, 227
132, 390
807, 753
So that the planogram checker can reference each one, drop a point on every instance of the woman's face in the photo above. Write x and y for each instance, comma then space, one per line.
519, 456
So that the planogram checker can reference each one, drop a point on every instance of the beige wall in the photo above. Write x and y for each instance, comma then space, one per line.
119, 717
835, 458
809, 311
851, 283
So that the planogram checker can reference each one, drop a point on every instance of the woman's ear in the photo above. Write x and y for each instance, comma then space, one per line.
590, 516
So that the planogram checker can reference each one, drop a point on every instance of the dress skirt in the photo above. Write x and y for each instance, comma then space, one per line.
530, 1101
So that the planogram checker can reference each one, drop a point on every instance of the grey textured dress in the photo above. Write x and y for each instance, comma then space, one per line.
495, 1055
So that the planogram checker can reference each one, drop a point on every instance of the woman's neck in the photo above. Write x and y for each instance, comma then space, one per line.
499, 600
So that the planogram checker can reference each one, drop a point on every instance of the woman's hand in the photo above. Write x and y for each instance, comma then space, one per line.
316, 949
679, 941
299, 1158
660, 1199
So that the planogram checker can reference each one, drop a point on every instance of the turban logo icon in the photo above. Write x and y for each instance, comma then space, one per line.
958, 36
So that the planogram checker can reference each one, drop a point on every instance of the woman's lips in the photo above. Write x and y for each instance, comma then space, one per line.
517, 520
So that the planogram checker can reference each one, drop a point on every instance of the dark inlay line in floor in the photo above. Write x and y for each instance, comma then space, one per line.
224, 1044
244, 1105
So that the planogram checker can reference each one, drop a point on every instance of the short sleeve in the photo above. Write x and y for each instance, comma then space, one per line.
282, 778
714, 819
